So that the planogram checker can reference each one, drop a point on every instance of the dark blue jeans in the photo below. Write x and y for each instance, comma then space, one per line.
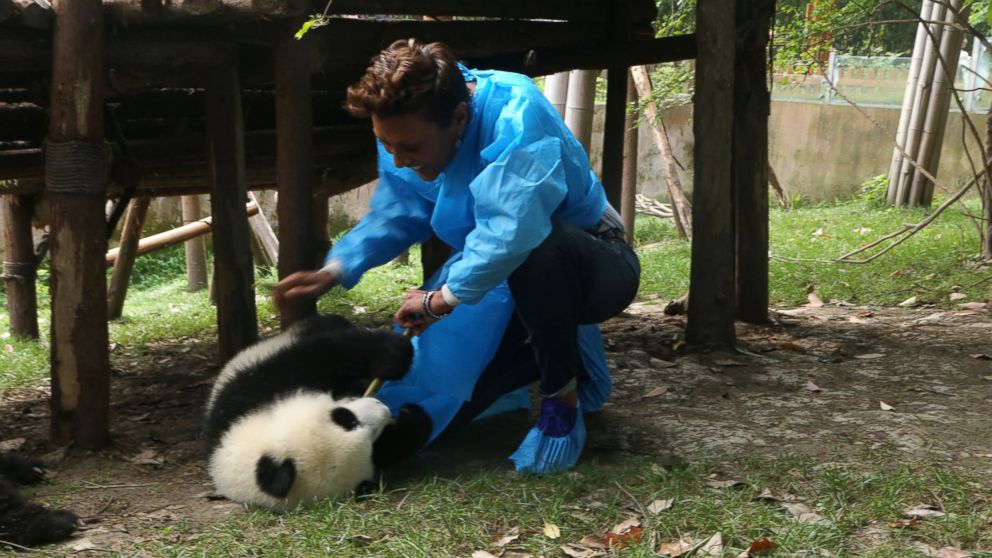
570, 279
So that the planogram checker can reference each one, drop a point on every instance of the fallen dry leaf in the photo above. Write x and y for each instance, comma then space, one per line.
762, 546
482, 554
147, 456
810, 386
508, 538
814, 301
957, 296
551, 530
725, 483
981, 356
856, 320
619, 540
712, 547
625, 525
592, 542
972, 305
674, 549
983, 454
659, 506
767, 496
885, 406
923, 512
790, 346
908, 302
865, 314
820, 234
870, 356
662, 390
803, 514
657, 363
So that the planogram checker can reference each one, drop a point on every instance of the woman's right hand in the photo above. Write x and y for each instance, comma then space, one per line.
304, 285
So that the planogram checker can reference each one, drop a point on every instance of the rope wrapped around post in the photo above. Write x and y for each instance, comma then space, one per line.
76, 167
19, 271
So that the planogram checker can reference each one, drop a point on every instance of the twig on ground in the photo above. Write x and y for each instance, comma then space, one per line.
95, 486
640, 507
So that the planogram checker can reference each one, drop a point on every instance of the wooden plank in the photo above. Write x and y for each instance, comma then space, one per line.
752, 106
134, 223
711, 293
294, 155
237, 323
19, 266
79, 346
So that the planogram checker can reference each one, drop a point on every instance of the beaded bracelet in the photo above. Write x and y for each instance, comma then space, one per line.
427, 306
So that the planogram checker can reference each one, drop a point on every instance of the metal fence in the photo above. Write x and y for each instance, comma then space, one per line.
881, 81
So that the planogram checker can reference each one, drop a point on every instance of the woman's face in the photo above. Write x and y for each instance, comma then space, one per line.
418, 143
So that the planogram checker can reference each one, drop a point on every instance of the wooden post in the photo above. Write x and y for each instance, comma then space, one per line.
322, 240
294, 160
556, 90
986, 235
613, 134
711, 296
19, 266
263, 234
237, 323
752, 106
580, 104
134, 223
76, 180
629, 187
196, 252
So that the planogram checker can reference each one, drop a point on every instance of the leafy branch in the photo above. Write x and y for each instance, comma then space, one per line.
315, 21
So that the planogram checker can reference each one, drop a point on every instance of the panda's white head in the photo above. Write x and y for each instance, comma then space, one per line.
302, 448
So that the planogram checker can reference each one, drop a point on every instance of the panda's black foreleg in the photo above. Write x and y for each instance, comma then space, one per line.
408, 433
22, 522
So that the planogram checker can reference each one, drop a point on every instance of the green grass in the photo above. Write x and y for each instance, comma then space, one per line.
455, 517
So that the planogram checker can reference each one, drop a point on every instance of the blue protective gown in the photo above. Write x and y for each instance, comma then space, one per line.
517, 167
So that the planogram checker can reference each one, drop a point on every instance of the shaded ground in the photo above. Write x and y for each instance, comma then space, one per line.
814, 381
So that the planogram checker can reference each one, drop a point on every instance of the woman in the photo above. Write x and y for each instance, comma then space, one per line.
482, 160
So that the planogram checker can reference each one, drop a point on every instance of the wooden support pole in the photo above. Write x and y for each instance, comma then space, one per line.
264, 235
580, 104
711, 296
321, 235
76, 183
556, 90
196, 252
752, 106
19, 266
294, 156
237, 322
134, 223
613, 134
628, 195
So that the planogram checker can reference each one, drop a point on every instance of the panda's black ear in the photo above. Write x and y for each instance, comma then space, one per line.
275, 479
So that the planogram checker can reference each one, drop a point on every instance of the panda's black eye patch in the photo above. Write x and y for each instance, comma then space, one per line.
344, 418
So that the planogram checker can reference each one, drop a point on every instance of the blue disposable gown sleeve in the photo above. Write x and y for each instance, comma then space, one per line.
515, 196
398, 218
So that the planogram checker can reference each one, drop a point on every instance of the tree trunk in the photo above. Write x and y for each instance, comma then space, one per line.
580, 104
556, 90
681, 207
987, 194
628, 198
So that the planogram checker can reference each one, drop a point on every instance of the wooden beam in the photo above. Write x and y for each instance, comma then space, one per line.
540, 62
294, 155
613, 134
711, 292
237, 323
76, 187
134, 223
19, 266
752, 106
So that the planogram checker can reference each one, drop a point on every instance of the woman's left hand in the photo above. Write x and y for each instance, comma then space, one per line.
411, 313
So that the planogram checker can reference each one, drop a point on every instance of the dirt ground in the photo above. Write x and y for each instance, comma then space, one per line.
820, 380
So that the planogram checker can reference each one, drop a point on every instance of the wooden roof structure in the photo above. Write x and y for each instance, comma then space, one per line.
136, 98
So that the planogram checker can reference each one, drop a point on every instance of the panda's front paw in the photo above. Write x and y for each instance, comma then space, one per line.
47, 526
393, 357
21, 469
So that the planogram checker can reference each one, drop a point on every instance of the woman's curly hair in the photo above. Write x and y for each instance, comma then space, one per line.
409, 77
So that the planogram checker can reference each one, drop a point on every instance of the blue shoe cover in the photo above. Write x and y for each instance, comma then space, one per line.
593, 388
555, 444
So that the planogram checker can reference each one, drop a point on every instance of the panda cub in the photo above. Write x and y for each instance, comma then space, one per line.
22, 522
286, 423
